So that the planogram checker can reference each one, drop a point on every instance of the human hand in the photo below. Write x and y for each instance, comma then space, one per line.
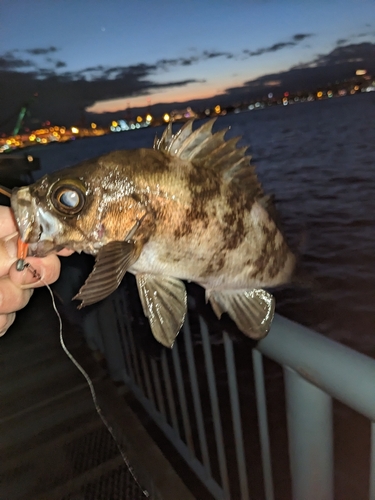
16, 287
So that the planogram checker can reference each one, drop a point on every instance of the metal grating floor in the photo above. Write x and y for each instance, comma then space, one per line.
53, 444
115, 485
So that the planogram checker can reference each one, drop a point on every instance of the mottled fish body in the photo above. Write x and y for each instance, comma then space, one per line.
190, 209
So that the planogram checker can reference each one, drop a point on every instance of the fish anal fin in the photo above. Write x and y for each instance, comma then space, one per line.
251, 310
111, 264
164, 303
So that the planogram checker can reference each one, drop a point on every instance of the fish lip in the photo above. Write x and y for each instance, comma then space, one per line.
37, 226
24, 208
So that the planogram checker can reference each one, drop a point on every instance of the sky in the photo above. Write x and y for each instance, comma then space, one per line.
105, 55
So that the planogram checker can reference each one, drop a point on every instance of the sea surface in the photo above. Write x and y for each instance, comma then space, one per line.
318, 159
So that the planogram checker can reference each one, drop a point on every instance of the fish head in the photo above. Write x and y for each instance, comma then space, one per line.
80, 208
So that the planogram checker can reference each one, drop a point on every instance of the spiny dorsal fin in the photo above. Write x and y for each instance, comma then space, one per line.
212, 151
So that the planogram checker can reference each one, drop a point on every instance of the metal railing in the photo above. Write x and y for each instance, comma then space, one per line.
205, 400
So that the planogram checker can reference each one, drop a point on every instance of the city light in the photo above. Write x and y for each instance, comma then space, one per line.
360, 82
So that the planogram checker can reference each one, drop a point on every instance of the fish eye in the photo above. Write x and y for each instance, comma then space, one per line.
68, 199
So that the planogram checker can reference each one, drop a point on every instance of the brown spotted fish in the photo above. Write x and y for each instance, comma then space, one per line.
189, 209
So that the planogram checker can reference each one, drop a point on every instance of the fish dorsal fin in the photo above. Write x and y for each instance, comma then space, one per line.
211, 150
164, 302
111, 264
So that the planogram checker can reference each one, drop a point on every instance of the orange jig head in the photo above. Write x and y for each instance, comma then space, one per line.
22, 249
21, 254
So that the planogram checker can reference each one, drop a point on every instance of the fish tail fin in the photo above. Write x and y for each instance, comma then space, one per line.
251, 310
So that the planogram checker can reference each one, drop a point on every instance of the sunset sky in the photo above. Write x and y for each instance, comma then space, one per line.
108, 54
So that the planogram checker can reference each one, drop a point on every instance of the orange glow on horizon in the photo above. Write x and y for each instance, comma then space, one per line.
174, 96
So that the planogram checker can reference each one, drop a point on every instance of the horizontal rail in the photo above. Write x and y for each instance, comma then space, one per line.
334, 368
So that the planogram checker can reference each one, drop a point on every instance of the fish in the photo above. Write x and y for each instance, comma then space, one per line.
189, 209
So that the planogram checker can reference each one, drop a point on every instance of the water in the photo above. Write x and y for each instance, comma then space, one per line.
318, 159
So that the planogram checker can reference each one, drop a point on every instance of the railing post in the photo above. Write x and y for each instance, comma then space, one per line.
372, 463
309, 414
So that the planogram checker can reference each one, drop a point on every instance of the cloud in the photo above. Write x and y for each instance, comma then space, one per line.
342, 41
295, 40
62, 94
214, 54
41, 51
59, 64
338, 65
301, 36
188, 61
9, 62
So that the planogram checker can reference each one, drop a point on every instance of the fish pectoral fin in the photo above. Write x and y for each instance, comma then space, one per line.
251, 310
164, 303
111, 264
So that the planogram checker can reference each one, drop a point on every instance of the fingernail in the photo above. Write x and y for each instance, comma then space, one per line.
31, 277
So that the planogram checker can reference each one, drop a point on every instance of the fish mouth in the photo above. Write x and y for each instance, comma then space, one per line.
37, 226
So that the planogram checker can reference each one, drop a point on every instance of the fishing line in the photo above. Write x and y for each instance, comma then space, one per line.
21, 264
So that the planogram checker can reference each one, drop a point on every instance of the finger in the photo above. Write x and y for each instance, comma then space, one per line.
47, 270
8, 255
65, 252
6, 320
12, 297
7, 222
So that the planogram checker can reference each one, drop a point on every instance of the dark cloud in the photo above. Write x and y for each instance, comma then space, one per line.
362, 35
57, 64
295, 40
9, 62
40, 51
301, 36
342, 41
213, 54
60, 64
338, 65
63, 94
164, 64
353, 37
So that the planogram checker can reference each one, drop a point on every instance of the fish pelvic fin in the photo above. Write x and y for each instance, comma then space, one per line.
164, 303
111, 264
212, 151
251, 310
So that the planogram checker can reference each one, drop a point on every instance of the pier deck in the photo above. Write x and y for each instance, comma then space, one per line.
53, 444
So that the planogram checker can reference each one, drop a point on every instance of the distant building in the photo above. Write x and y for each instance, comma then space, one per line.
182, 114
